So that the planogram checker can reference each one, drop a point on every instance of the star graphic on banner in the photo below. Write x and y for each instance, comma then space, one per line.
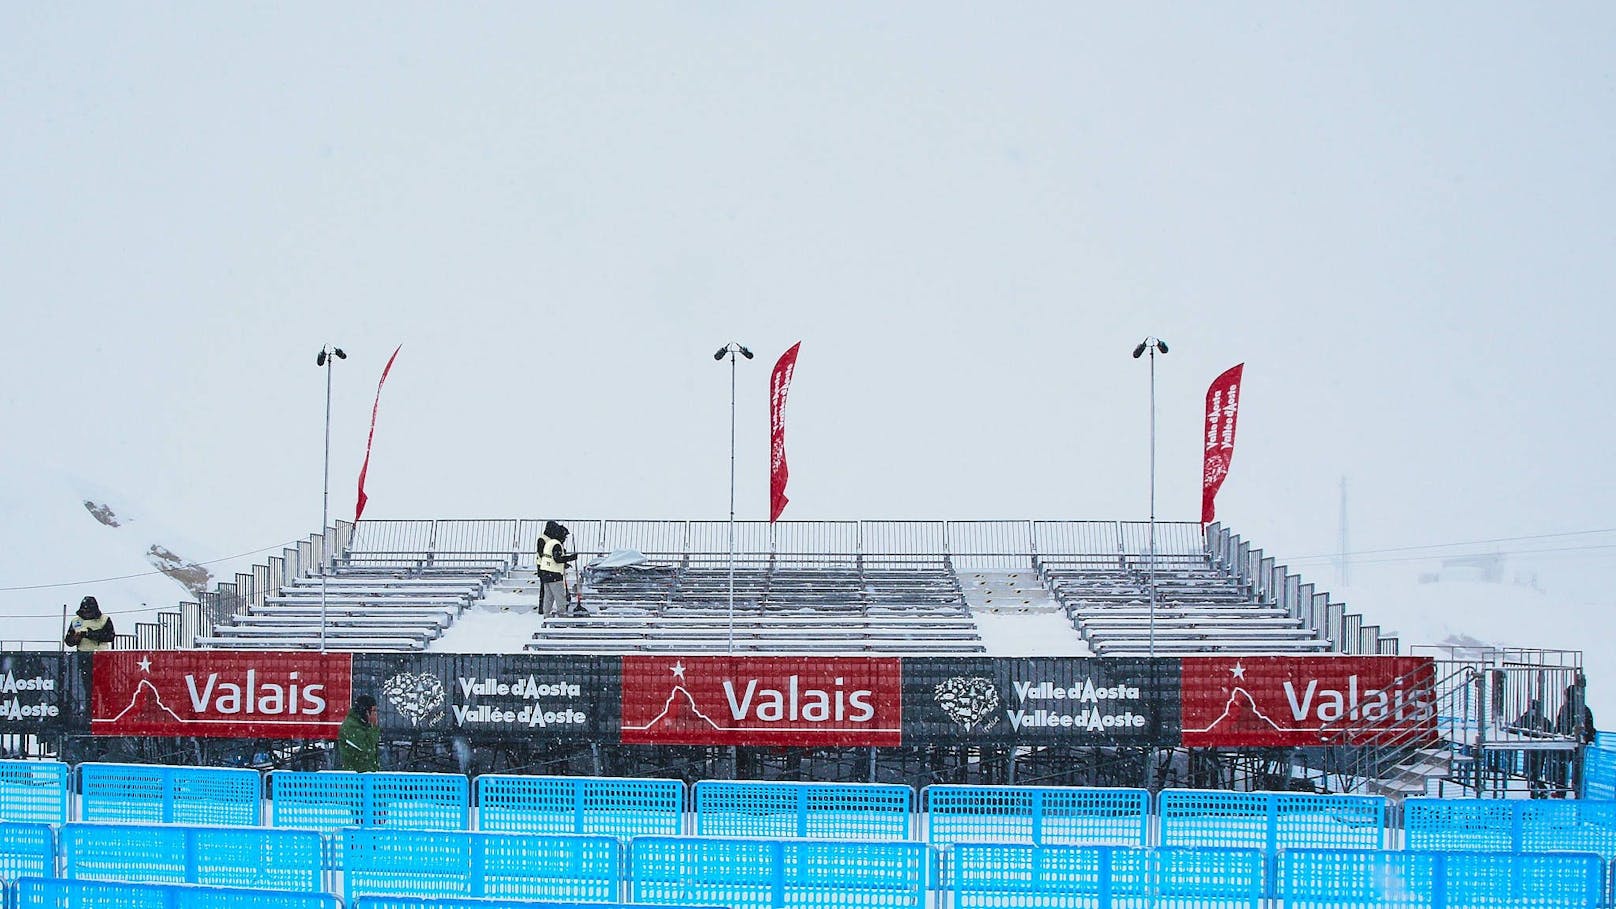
679, 669
144, 664
1239, 671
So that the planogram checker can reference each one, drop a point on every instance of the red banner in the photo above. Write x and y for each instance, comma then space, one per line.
1222, 408
779, 385
220, 694
359, 506
787, 701
1262, 701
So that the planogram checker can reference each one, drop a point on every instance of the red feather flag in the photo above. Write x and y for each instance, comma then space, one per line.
359, 506
779, 385
1222, 407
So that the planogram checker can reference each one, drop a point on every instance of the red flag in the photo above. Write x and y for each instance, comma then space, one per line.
779, 385
359, 506
1222, 407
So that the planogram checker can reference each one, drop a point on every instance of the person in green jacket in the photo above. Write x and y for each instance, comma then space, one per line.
359, 739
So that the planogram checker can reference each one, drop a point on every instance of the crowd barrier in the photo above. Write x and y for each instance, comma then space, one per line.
33, 791
994, 875
1599, 768
63, 893
412, 902
440, 863
568, 804
806, 810
1335, 878
156, 793
1029, 814
1511, 825
779, 874
265, 858
27, 850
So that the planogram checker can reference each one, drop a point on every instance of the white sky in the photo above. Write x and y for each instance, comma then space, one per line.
1398, 218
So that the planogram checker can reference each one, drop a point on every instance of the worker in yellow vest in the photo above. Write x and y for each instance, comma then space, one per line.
89, 630
553, 562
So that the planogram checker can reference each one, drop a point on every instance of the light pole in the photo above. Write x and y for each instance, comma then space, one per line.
1154, 346
732, 348
325, 358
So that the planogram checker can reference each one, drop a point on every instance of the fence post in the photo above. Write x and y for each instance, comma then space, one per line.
190, 856
777, 894
1439, 880
167, 775
1104, 895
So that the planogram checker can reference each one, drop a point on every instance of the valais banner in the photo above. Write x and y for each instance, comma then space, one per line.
786, 701
359, 504
779, 385
220, 694
1222, 408
1261, 701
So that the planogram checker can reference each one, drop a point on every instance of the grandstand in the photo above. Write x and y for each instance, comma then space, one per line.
1001, 593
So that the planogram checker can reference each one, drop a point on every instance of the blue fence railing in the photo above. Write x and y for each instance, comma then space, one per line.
1337, 878
804, 810
1599, 768
33, 792
1270, 820
569, 804
265, 858
445, 863
62, 893
170, 795
27, 850
415, 902
779, 874
1036, 815
1511, 825
326, 801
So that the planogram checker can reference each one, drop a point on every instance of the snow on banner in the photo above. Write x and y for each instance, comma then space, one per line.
220, 693
779, 386
1222, 409
806, 701
1262, 701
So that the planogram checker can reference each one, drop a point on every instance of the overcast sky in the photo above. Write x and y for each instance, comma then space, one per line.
1397, 216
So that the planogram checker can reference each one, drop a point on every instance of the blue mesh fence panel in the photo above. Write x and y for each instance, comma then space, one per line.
1208, 878
414, 902
1599, 770
183, 795
1197, 817
61, 893
619, 807
322, 801
1001, 875
1572, 825
1353, 821
33, 792
1459, 824
27, 850
423, 801
255, 857
434, 863
779, 874
1437, 880
1071, 815
816, 810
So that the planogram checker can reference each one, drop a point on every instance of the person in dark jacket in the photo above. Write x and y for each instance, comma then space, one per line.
553, 562
359, 739
89, 630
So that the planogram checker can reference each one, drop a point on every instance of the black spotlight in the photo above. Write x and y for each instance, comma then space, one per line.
744, 352
721, 351
1139, 351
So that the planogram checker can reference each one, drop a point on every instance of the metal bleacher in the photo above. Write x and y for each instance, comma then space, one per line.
779, 606
831, 587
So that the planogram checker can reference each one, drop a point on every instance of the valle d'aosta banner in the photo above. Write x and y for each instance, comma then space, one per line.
704, 699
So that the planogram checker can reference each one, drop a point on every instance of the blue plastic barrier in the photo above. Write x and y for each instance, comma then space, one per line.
809, 810
1511, 825
61, 893
1340, 878
170, 795
33, 792
1037, 815
554, 804
1599, 769
440, 863
262, 858
1271, 820
416, 902
327, 800
777, 874
993, 875
27, 850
